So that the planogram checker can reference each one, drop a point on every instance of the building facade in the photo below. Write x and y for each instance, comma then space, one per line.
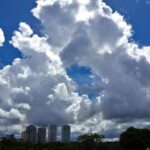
41, 135
24, 135
65, 134
31, 134
52, 133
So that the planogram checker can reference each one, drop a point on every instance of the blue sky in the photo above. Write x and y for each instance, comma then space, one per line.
11, 14
135, 12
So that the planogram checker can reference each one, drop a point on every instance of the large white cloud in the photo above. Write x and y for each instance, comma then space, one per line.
36, 89
89, 34
97, 37
2, 37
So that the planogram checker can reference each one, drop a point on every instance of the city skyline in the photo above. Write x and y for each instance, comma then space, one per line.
36, 134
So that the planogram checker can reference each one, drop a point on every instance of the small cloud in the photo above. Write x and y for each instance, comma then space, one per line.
2, 37
148, 2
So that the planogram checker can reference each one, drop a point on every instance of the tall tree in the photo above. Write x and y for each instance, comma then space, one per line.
135, 139
90, 140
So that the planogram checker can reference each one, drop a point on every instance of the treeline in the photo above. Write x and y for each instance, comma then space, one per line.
15, 145
131, 139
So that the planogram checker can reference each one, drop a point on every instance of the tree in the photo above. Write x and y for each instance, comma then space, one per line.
90, 140
135, 139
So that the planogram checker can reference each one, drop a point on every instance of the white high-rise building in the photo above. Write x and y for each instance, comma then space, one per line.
52, 133
41, 135
24, 135
31, 134
65, 134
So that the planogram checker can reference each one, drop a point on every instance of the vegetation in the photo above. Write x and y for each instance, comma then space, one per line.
90, 141
19, 145
135, 139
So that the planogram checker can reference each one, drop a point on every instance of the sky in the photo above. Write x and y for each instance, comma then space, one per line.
83, 63
136, 13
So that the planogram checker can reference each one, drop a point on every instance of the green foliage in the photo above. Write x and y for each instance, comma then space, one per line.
112, 146
91, 138
90, 141
135, 139
18, 145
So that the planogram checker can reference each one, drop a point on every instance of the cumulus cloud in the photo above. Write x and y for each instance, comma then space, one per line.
89, 34
36, 89
2, 37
